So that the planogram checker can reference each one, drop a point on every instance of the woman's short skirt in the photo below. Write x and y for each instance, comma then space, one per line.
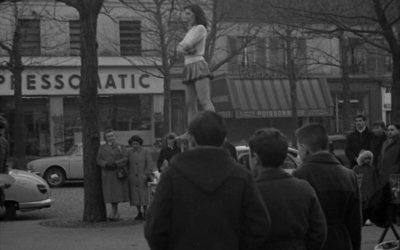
196, 71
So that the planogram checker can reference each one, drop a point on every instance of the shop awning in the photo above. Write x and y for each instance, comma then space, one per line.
269, 98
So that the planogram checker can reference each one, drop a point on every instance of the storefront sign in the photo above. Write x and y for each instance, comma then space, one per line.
220, 99
281, 113
353, 86
387, 105
53, 82
226, 114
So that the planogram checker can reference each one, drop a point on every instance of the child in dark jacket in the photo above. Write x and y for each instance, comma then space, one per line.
369, 183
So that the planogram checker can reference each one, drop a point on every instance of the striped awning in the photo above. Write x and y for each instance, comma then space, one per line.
258, 98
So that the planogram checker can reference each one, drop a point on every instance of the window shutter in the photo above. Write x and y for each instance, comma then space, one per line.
130, 38
75, 37
29, 31
261, 53
233, 63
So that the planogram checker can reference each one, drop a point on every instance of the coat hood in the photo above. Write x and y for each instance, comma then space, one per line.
206, 167
364, 155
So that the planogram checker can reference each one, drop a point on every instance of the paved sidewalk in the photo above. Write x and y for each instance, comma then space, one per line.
32, 235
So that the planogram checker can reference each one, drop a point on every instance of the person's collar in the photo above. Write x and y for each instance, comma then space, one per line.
362, 130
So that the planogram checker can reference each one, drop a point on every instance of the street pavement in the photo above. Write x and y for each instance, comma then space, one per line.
60, 228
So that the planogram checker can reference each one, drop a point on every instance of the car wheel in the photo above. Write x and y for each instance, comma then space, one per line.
55, 177
8, 211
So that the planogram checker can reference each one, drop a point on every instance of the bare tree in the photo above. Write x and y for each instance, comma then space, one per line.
21, 54
94, 208
164, 30
377, 22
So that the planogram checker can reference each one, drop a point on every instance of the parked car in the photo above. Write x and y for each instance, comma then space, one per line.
339, 143
27, 192
59, 169
291, 163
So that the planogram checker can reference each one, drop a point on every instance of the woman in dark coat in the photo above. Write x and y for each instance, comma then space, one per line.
297, 219
140, 166
112, 155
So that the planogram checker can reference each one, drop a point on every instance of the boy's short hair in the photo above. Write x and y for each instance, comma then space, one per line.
271, 146
208, 129
313, 135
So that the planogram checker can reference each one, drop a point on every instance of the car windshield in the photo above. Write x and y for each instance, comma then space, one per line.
72, 150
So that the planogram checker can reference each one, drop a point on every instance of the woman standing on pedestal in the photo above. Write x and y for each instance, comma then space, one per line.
196, 74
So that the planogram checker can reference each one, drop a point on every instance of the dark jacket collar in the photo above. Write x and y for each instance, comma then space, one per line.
323, 157
268, 173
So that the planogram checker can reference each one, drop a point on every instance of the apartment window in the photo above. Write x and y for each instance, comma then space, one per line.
252, 55
357, 56
130, 38
74, 38
29, 31
278, 50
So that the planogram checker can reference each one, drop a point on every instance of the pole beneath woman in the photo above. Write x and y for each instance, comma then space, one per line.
196, 73
112, 155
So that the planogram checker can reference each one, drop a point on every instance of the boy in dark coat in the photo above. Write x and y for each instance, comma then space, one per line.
205, 200
297, 219
336, 187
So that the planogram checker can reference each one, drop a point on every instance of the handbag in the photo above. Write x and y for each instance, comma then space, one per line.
121, 173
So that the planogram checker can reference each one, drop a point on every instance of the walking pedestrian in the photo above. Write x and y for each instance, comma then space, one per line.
369, 181
171, 148
297, 219
359, 139
378, 127
196, 73
205, 200
390, 155
112, 155
336, 187
140, 167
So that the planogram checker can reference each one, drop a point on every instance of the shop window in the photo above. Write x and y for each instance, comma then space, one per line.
29, 32
36, 115
130, 38
74, 38
118, 112
359, 105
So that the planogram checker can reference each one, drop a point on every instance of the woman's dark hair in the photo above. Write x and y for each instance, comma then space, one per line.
313, 135
271, 146
107, 131
199, 15
208, 128
135, 138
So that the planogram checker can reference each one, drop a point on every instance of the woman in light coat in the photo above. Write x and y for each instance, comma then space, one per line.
109, 157
140, 166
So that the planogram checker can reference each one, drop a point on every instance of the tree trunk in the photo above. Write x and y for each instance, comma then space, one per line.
395, 112
94, 207
346, 119
293, 98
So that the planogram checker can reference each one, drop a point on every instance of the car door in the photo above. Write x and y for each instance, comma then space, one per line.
76, 164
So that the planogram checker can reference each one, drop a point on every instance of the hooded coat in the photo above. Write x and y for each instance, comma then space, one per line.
339, 195
205, 200
369, 182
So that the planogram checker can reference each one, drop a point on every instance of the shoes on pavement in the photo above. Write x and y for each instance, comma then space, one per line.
139, 216
368, 223
114, 218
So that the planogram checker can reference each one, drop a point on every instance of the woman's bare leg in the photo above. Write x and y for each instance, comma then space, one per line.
191, 100
203, 93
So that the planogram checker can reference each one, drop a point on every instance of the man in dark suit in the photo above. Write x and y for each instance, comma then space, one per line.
359, 139
378, 127
336, 187
390, 156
